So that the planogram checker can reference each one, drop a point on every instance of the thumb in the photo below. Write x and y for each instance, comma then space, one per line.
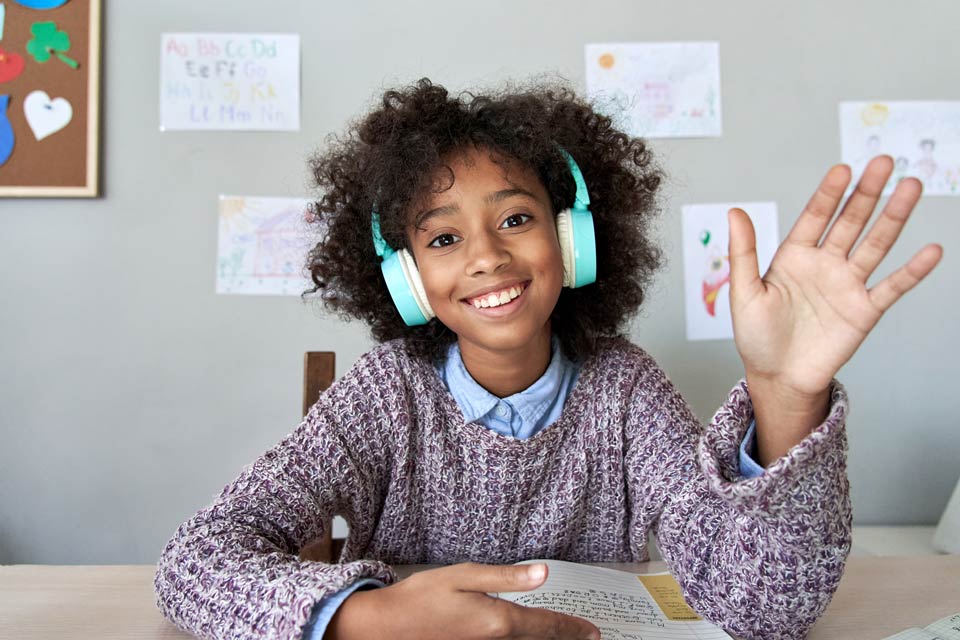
491, 578
744, 269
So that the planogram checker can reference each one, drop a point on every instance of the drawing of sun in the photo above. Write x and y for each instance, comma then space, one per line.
230, 207
606, 61
874, 115
234, 214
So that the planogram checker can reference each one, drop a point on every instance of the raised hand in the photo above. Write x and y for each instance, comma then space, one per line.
798, 324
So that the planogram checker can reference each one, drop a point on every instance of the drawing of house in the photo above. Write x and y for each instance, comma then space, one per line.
280, 245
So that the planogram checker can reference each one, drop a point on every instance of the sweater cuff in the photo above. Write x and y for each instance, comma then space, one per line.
814, 461
324, 610
749, 467
335, 578
282, 596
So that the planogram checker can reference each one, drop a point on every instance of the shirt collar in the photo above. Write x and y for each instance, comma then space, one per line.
531, 403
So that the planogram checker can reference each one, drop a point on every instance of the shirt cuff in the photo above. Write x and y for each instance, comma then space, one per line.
323, 611
750, 468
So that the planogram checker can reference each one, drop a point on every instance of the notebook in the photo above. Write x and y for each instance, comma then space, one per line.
943, 629
624, 606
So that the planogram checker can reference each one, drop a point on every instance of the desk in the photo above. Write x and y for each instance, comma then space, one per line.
878, 596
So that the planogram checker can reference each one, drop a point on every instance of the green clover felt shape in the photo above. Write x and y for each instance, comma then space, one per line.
47, 40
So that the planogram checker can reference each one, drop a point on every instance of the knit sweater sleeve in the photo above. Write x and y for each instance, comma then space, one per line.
759, 557
232, 570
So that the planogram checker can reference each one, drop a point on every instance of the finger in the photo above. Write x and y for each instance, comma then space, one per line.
744, 268
859, 207
534, 622
493, 578
812, 222
887, 228
889, 290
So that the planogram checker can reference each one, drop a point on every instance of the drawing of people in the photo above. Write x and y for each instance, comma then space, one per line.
926, 165
871, 148
901, 167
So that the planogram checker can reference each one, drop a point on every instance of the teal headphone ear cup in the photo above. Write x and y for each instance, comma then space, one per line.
406, 288
578, 247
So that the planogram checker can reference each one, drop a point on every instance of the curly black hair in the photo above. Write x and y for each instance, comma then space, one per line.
390, 159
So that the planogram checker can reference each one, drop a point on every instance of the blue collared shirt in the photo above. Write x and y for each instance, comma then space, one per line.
520, 416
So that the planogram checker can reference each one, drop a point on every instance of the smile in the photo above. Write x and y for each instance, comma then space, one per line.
497, 298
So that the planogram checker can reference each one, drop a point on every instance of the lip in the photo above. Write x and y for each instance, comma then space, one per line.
495, 288
503, 309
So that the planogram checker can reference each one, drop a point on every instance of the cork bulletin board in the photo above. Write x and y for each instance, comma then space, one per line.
49, 98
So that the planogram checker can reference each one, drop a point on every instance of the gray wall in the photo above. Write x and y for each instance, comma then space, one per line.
130, 394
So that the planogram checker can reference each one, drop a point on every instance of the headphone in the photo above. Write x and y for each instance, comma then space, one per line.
578, 250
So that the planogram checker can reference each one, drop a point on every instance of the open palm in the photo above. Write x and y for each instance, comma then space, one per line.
799, 323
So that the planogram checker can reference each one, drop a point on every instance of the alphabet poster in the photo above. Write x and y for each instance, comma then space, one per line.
49, 91
230, 81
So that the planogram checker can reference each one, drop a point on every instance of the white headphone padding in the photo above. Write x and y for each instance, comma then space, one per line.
565, 236
416, 284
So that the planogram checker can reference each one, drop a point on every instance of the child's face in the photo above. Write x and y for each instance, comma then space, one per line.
493, 233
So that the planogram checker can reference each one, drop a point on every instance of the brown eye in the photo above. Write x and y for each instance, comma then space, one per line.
443, 240
515, 220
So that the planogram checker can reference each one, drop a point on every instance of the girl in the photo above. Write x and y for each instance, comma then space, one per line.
503, 418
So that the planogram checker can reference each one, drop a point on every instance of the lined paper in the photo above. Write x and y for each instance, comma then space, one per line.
615, 601
943, 629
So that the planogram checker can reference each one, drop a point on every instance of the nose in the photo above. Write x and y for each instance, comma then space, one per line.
487, 253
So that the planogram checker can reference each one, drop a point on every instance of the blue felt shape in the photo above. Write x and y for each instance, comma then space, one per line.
42, 4
6, 131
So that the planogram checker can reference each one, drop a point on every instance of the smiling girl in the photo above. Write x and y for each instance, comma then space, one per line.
497, 246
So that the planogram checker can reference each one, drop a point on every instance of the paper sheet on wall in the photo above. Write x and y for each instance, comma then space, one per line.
657, 89
706, 264
263, 244
231, 81
922, 137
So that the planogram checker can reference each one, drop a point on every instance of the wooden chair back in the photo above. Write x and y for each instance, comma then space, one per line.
318, 375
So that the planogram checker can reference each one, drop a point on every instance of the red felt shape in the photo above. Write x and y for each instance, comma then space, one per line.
11, 65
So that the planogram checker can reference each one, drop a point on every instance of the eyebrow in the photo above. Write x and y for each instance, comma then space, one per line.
491, 198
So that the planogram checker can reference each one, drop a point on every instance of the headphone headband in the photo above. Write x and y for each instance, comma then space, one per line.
581, 202
582, 199
379, 244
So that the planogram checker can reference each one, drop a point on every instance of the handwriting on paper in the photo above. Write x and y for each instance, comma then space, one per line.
603, 606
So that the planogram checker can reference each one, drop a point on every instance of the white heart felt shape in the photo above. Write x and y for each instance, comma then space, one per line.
46, 116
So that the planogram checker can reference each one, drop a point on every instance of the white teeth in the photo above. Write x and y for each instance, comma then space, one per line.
495, 300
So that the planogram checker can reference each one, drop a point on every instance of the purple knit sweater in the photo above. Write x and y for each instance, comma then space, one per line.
386, 447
